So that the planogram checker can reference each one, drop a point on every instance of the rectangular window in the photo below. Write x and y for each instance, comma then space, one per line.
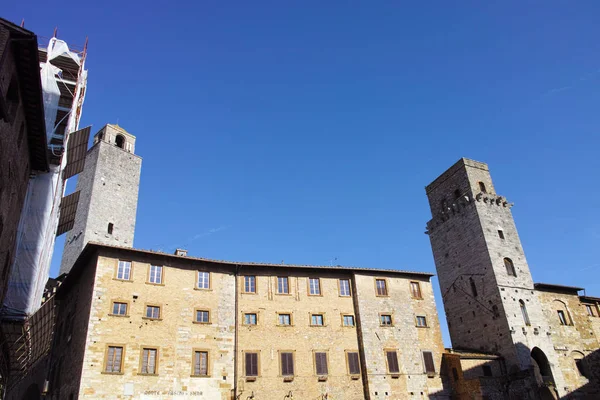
251, 360
283, 286
119, 308
321, 363
114, 358
124, 270
590, 310
421, 321
287, 363
381, 287
153, 312
285, 319
316, 319
149, 361
487, 370
344, 287
353, 363
250, 284
155, 274
203, 316
314, 285
392, 362
415, 290
250, 319
562, 317
200, 363
428, 362
500, 234
385, 320
348, 320
203, 280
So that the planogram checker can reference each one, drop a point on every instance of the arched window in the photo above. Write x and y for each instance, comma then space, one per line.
510, 267
524, 312
120, 141
482, 187
473, 287
564, 316
110, 228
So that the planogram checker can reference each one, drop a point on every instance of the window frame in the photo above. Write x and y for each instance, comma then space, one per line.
314, 357
293, 353
344, 315
524, 313
146, 311
119, 301
309, 287
425, 371
257, 352
387, 363
202, 309
141, 362
509, 266
385, 285
424, 317
249, 313
418, 286
340, 287
208, 363
590, 310
162, 275
291, 316
348, 352
121, 365
289, 289
116, 277
387, 315
197, 284
244, 284
317, 314
563, 317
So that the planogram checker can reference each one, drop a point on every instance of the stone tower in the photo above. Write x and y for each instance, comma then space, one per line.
486, 285
108, 197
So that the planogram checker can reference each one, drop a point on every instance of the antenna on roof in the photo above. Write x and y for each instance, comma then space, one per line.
23, 23
55, 31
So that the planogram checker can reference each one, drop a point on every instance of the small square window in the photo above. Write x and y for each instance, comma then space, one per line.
385, 320
487, 370
203, 280
153, 312
119, 308
203, 316
250, 319
415, 290
283, 286
124, 270
348, 320
344, 287
381, 287
316, 319
314, 286
285, 319
155, 274
250, 284
421, 321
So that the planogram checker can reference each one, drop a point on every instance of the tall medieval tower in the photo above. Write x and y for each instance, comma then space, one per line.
485, 281
108, 198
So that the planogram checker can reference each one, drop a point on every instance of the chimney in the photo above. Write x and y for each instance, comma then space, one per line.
181, 252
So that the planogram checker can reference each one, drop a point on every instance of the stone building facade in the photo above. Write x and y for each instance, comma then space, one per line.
108, 187
22, 133
491, 303
136, 324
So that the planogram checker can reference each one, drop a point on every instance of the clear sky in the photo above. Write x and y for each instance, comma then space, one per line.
305, 132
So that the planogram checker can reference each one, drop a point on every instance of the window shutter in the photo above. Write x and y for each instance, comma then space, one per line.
145, 361
321, 363
251, 364
393, 362
429, 364
353, 364
287, 364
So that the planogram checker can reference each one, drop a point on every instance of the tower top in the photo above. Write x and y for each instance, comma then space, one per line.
117, 136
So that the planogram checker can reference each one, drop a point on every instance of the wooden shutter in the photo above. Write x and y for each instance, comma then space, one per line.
251, 364
392, 358
353, 364
429, 364
321, 363
287, 364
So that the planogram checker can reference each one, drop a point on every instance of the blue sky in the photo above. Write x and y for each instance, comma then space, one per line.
305, 132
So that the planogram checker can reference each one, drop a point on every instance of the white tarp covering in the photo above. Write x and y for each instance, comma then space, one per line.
39, 218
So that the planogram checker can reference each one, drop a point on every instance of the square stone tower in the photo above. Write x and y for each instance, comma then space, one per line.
108, 198
485, 281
